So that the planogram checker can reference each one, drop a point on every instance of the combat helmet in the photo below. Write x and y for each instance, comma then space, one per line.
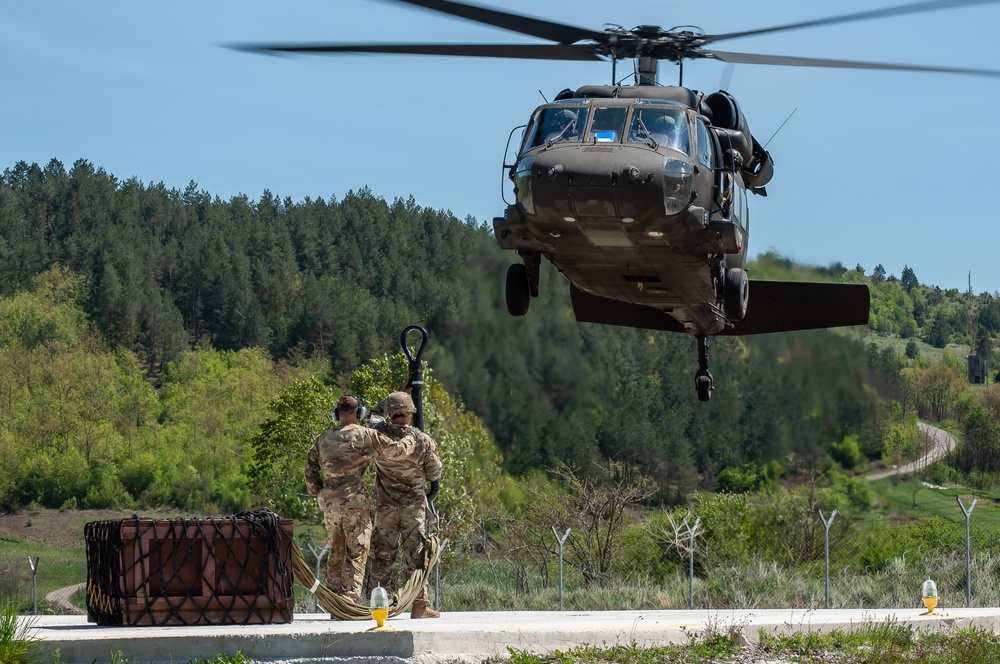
399, 402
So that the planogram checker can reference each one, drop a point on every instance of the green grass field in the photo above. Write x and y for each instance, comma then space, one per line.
898, 499
56, 568
927, 352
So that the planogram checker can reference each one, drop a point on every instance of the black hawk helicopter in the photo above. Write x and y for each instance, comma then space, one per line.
638, 193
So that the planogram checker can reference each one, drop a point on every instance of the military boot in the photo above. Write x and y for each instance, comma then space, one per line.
421, 609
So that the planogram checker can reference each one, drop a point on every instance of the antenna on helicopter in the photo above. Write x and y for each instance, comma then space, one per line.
779, 128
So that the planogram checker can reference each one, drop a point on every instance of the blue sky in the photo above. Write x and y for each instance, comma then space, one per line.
873, 167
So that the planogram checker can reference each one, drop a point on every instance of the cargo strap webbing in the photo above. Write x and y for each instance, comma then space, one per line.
344, 609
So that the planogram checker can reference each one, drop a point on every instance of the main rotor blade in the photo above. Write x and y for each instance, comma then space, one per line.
526, 25
523, 51
927, 6
755, 59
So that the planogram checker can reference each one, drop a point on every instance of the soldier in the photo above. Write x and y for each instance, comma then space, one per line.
401, 492
335, 474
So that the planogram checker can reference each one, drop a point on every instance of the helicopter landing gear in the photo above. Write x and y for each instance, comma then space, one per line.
518, 294
736, 294
703, 377
522, 283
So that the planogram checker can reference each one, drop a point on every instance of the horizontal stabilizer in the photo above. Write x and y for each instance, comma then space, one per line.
774, 306
596, 309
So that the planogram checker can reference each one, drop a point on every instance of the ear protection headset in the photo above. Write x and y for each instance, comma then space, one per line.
362, 411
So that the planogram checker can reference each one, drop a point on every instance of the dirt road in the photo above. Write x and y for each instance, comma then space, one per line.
939, 443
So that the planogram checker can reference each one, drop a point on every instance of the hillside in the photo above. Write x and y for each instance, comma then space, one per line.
191, 292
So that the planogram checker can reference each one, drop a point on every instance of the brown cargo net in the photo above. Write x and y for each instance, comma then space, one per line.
231, 570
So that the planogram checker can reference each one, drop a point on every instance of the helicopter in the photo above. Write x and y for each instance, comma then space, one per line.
639, 194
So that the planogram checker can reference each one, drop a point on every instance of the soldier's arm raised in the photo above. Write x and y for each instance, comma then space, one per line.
314, 474
432, 462
389, 448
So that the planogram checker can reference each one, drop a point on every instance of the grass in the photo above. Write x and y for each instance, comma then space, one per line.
927, 352
898, 498
57, 568
118, 658
875, 643
713, 646
886, 643
17, 642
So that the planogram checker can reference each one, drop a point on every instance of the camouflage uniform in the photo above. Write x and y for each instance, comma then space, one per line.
401, 515
335, 474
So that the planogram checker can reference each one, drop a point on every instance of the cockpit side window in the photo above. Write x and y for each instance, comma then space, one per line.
704, 145
556, 125
608, 125
667, 127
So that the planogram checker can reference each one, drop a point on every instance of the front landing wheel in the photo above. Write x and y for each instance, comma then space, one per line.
518, 291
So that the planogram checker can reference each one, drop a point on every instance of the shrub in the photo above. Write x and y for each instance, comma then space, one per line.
847, 452
16, 637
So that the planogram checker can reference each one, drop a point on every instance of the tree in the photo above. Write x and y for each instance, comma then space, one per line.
878, 274
984, 346
941, 330
989, 314
908, 279
277, 451
980, 449
937, 389
591, 502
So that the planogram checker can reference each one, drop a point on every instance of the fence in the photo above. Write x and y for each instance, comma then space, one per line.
841, 561
41, 582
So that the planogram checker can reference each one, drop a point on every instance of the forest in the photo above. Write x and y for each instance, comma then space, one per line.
147, 334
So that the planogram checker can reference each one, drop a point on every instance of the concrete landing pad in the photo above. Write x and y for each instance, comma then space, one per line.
465, 637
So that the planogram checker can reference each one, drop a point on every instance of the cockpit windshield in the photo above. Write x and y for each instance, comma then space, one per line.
666, 127
608, 125
557, 125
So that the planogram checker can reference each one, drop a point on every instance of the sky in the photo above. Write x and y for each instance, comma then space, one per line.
871, 167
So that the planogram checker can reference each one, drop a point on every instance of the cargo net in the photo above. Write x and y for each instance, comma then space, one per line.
231, 570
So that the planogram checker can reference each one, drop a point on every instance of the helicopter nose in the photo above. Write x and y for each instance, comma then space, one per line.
596, 182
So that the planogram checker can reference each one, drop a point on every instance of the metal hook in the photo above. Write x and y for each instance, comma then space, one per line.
406, 349
415, 379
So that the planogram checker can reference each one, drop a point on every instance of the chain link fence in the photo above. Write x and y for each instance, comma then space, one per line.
869, 561
42, 582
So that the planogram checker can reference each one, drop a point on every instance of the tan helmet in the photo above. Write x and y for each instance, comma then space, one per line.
399, 402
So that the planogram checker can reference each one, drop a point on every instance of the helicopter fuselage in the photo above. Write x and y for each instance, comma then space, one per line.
633, 201
638, 195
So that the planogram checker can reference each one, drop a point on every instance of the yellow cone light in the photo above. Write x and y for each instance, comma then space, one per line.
379, 605
930, 595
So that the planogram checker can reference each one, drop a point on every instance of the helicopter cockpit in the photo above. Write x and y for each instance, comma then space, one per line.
655, 124
666, 127
560, 124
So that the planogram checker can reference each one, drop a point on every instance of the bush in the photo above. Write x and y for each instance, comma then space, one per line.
909, 541
847, 452
643, 554
138, 473
741, 480
16, 641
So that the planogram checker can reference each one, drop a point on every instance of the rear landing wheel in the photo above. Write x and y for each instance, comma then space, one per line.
703, 384
518, 292
736, 294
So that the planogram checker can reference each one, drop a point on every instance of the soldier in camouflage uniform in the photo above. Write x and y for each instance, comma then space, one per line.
335, 474
401, 492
